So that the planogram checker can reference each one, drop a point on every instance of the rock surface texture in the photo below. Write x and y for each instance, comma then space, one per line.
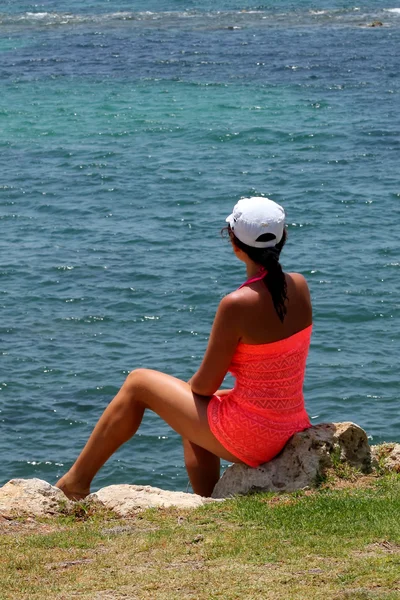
301, 462
387, 456
126, 499
33, 497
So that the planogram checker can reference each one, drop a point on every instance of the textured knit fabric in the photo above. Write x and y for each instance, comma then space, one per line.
266, 406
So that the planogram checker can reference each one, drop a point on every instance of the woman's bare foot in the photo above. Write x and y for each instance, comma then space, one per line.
73, 489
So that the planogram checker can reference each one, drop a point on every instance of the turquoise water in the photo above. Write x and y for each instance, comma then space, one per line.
127, 132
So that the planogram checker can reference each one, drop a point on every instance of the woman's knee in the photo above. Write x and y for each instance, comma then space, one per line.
137, 380
137, 376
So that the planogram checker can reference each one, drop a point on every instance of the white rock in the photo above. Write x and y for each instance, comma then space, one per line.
34, 497
301, 462
390, 454
126, 499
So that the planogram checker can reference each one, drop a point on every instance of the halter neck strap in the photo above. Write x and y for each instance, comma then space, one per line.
257, 277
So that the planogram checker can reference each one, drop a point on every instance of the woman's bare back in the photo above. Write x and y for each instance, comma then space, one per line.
260, 323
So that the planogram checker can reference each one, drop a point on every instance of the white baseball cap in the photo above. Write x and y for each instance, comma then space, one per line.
256, 216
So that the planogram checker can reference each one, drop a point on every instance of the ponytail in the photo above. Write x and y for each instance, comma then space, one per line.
275, 277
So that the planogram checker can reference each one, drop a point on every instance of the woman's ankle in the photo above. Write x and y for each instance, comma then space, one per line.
74, 487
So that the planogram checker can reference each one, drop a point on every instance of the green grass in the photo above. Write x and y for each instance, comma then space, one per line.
342, 543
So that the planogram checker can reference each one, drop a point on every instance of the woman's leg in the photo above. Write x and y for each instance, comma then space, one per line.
202, 466
117, 424
171, 398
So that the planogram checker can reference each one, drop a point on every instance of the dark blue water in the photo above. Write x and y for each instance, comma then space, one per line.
127, 132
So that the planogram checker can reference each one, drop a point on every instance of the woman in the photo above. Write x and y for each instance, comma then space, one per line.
261, 333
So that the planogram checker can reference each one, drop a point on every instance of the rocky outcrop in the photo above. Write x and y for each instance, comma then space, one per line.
127, 499
386, 457
302, 462
33, 497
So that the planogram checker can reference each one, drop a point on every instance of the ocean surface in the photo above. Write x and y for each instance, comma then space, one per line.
128, 130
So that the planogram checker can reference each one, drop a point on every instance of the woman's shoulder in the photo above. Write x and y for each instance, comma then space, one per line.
238, 297
232, 300
297, 277
297, 281
233, 306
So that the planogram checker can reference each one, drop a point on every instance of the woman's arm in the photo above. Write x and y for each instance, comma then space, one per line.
224, 337
223, 392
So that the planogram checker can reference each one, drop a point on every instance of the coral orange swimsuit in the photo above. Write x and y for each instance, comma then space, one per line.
266, 405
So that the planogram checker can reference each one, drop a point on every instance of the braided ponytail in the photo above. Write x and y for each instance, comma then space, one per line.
275, 277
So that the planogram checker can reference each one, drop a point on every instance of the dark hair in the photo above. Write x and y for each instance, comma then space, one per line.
269, 259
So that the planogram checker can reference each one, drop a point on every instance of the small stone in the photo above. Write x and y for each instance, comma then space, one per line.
69, 563
315, 571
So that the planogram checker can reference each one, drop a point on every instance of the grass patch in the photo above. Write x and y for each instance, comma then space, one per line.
308, 545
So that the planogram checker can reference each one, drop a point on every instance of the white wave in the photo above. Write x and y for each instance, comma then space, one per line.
47, 17
63, 17
60, 19
68, 18
38, 15
57, 19
119, 15
53, 17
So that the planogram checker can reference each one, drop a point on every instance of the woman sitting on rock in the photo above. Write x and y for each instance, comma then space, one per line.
261, 334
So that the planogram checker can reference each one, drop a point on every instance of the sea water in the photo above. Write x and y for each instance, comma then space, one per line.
127, 132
